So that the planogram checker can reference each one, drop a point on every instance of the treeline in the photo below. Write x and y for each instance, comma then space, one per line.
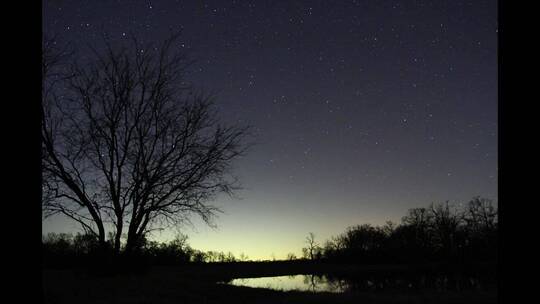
61, 250
438, 233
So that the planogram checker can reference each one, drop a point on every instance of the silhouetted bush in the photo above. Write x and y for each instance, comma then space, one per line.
62, 250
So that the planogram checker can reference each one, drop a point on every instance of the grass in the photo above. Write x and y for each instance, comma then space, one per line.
198, 284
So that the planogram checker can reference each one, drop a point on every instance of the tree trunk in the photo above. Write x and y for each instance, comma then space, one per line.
118, 236
132, 240
101, 237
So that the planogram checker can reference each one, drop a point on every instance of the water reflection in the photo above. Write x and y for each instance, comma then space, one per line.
371, 282
312, 283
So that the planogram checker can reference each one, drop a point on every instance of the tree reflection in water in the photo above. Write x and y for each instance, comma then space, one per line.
369, 282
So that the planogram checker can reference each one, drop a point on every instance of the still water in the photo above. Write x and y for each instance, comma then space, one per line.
326, 283
293, 282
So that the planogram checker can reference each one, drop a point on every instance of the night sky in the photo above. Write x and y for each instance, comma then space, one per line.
360, 109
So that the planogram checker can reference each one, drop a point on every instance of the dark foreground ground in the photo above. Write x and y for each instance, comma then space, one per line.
199, 284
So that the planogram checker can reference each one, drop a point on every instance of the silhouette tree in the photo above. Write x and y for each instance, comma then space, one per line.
445, 224
312, 249
243, 257
481, 215
416, 232
291, 256
128, 145
481, 218
363, 242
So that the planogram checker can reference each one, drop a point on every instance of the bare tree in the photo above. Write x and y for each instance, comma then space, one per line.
421, 220
243, 257
291, 256
481, 214
312, 247
446, 221
128, 146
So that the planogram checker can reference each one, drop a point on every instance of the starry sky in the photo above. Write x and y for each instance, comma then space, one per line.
360, 109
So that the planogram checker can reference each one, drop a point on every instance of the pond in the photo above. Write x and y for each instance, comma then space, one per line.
328, 283
292, 282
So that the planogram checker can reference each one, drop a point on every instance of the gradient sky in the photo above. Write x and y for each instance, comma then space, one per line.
361, 109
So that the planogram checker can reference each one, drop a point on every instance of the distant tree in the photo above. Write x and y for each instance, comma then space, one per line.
174, 252
58, 249
230, 257
481, 214
446, 221
419, 222
198, 257
180, 241
85, 243
330, 249
291, 256
221, 257
389, 228
481, 218
419, 218
211, 256
128, 145
243, 257
363, 242
58, 242
312, 248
